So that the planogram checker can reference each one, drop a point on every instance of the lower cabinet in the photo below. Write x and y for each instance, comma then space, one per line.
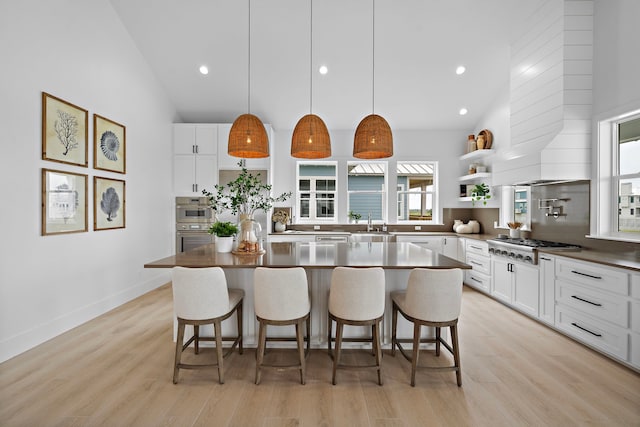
477, 256
547, 295
516, 284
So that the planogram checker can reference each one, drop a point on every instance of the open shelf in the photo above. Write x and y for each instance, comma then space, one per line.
477, 154
475, 177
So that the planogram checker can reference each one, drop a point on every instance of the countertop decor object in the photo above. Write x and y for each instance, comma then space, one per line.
280, 218
224, 232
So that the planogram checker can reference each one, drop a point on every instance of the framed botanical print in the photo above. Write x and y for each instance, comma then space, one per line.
64, 131
109, 150
108, 203
64, 202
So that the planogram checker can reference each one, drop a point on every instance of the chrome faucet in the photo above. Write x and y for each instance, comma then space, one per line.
369, 226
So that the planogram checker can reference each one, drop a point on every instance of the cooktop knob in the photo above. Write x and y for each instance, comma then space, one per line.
528, 259
519, 256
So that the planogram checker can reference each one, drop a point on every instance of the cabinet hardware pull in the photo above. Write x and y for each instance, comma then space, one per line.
197, 149
196, 187
587, 301
587, 275
476, 280
585, 329
193, 149
475, 247
546, 259
476, 263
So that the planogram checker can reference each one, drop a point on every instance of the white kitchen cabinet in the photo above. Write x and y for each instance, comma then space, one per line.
450, 246
547, 298
594, 305
477, 256
195, 163
516, 284
462, 252
225, 161
273, 238
445, 245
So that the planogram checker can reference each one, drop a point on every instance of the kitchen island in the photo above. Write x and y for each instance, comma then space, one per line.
318, 259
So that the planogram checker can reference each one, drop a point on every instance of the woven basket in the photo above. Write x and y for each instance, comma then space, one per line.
373, 138
248, 138
488, 138
310, 139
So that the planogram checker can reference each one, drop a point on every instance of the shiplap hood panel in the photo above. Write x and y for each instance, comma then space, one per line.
551, 97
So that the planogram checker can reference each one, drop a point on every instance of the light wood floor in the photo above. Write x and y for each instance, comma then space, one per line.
116, 370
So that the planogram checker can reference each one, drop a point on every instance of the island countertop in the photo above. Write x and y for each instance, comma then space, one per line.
323, 255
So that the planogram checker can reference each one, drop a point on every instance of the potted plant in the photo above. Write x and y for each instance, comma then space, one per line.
224, 232
354, 217
243, 196
280, 218
480, 192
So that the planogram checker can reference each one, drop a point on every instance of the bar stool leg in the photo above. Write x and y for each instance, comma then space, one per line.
336, 356
438, 338
394, 327
300, 340
329, 327
240, 332
217, 326
378, 350
196, 334
262, 338
456, 353
416, 353
179, 344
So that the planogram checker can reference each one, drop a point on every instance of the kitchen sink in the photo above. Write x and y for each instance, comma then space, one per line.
371, 236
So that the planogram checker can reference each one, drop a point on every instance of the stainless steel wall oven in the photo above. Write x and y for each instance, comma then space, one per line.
193, 219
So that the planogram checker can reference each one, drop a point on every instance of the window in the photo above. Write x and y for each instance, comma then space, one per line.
617, 186
316, 191
366, 184
416, 191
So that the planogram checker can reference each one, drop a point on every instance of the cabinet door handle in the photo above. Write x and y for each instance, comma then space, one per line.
585, 329
587, 301
476, 263
476, 280
546, 259
587, 275
475, 247
193, 149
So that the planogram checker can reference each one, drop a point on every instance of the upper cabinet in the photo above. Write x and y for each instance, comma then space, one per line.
225, 161
195, 163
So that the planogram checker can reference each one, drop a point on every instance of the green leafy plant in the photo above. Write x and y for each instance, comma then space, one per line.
244, 195
223, 229
480, 192
354, 216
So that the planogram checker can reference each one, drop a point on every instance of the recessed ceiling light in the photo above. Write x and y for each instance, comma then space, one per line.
204, 70
323, 69
463, 111
460, 70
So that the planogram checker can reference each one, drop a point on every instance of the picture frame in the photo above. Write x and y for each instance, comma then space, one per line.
65, 131
109, 203
109, 145
64, 202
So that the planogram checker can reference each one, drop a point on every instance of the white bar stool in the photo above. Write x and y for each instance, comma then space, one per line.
281, 297
201, 297
433, 298
356, 297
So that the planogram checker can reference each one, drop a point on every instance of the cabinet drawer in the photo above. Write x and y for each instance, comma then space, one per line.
605, 306
594, 275
635, 316
635, 350
609, 338
477, 280
479, 263
635, 285
477, 247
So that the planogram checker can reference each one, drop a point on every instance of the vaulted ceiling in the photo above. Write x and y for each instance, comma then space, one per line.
418, 45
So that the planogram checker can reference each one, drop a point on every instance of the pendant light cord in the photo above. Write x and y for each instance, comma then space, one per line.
249, 63
311, 58
373, 58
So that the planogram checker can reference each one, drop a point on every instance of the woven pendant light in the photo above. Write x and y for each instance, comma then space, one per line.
373, 138
247, 138
310, 138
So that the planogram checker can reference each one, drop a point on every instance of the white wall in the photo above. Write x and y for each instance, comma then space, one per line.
79, 51
443, 146
616, 85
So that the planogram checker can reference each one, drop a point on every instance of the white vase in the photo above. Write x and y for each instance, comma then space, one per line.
514, 233
224, 244
456, 223
280, 227
475, 225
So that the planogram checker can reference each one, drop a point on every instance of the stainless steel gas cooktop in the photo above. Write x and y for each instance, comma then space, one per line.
525, 250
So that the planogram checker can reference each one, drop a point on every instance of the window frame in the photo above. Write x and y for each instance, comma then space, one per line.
435, 208
384, 191
312, 199
605, 198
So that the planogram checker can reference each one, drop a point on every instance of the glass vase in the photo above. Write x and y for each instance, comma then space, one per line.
249, 236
